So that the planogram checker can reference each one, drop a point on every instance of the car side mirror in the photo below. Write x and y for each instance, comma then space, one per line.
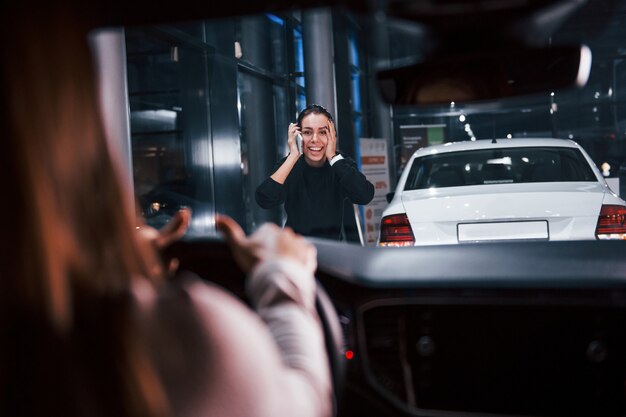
389, 197
486, 75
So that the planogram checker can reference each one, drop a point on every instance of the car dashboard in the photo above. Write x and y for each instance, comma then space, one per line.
491, 329
513, 328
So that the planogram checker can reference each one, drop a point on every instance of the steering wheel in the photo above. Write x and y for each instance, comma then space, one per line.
333, 339
211, 258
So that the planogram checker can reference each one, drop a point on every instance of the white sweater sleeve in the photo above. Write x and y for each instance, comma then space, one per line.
271, 363
283, 294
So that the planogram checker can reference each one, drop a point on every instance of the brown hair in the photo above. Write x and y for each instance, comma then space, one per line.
69, 250
313, 109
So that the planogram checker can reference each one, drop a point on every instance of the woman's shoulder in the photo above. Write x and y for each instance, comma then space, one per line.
209, 299
212, 329
346, 157
224, 316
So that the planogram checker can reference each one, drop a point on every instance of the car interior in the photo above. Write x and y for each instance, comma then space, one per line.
519, 328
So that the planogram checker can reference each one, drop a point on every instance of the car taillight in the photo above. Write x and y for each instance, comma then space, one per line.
611, 223
395, 230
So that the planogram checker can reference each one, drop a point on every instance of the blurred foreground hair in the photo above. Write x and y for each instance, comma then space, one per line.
69, 330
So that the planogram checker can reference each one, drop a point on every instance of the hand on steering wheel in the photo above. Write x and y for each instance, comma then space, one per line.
271, 241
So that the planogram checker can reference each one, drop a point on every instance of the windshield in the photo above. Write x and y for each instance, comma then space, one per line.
210, 103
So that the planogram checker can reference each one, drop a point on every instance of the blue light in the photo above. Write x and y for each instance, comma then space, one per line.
275, 19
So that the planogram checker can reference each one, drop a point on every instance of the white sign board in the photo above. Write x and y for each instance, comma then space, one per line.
375, 166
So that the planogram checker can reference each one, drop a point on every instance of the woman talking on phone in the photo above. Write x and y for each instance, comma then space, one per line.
314, 180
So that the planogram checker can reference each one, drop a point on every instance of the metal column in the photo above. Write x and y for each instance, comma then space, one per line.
109, 51
317, 28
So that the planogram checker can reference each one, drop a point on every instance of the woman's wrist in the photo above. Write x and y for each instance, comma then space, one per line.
335, 158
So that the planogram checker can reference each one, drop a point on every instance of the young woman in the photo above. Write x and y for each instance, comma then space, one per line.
314, 181
89, 323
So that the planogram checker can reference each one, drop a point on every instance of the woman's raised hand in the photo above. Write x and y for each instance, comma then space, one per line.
331, 146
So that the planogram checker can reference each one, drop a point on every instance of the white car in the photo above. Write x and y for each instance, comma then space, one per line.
504, 189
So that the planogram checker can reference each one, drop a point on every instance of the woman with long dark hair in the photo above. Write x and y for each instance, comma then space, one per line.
89, 323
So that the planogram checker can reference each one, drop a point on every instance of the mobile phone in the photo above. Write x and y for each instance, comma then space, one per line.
299, 142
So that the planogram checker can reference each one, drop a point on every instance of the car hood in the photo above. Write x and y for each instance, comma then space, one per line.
564, 210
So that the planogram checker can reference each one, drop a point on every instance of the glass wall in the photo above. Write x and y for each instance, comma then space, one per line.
270, 87
168, 85
210, 103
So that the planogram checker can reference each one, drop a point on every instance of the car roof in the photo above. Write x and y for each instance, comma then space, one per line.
494, 144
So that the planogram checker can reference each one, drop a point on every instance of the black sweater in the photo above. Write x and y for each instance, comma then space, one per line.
313, 197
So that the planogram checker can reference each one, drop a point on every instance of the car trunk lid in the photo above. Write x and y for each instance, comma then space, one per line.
504, 212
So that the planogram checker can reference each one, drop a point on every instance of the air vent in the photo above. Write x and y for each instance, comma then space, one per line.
383, 351
522, 358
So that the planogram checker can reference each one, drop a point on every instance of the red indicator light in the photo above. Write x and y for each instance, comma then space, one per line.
349, 354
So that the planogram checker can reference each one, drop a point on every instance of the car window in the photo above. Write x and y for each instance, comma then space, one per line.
498, 166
